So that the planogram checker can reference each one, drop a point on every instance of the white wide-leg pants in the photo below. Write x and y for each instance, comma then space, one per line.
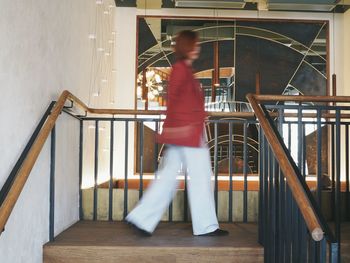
148, 212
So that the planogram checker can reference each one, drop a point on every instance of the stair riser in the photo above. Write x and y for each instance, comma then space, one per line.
178, 205
151, 254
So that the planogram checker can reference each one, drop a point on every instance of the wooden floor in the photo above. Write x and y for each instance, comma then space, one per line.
108, 242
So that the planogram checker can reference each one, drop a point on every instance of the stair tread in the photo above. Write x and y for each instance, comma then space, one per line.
114, 242
101, 233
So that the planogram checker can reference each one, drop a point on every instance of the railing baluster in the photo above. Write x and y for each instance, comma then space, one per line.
141, 159
96, 168
245, 163
216, 166
338, 172
185, 196
126, 151
347, 196
261, 186
272, 221
333, 204
323, 251
111, 156
281, 201
81, 139
52, 185
266, 193
319, 159
288, 223
230, 216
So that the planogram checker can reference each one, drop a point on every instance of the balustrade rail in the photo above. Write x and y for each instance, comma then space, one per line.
294, 156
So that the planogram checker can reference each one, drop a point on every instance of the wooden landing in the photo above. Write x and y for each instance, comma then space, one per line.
115, 242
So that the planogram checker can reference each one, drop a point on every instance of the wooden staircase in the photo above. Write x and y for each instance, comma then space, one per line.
91, 241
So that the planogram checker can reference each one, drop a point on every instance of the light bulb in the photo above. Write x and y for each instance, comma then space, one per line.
96, 94
158, 79
99, 2
92, 36
160, 88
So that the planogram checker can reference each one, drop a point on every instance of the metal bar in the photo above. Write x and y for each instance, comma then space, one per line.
96, 169
323, 251
288, 223
216, 166
230, 215
312, 251
303, 240
319, 159
304, 152
126, 151
185, 197
266, 192
347, 175
245, 162
281, 202
334, 251
111, 159
156, 150
141, 159
294, 231
299, 137
81, 139
272, 217
333, 204
289, 137
52, 185
337, 192
261, 187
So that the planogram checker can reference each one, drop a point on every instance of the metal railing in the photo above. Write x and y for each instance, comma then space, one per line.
292, 222
146, 161
292, 227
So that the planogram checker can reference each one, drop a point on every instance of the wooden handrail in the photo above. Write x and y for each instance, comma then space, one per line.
301, 98
288, 171
24, 171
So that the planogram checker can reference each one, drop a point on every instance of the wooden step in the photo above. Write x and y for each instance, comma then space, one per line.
107, 242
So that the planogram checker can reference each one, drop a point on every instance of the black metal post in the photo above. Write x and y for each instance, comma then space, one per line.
126, 151
111, 159
245, 164
230, 201
96, 169
81, 139
52, 185
216, 166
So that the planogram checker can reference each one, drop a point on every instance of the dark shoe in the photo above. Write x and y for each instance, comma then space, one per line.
140, 231
217, 232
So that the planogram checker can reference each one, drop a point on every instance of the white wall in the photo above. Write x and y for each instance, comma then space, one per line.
44, 49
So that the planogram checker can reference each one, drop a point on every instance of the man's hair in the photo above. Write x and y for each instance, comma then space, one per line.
184, 43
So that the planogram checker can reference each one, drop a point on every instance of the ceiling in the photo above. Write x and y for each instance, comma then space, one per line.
338, 6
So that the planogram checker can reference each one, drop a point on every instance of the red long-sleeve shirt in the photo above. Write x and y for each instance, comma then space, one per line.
185, 113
